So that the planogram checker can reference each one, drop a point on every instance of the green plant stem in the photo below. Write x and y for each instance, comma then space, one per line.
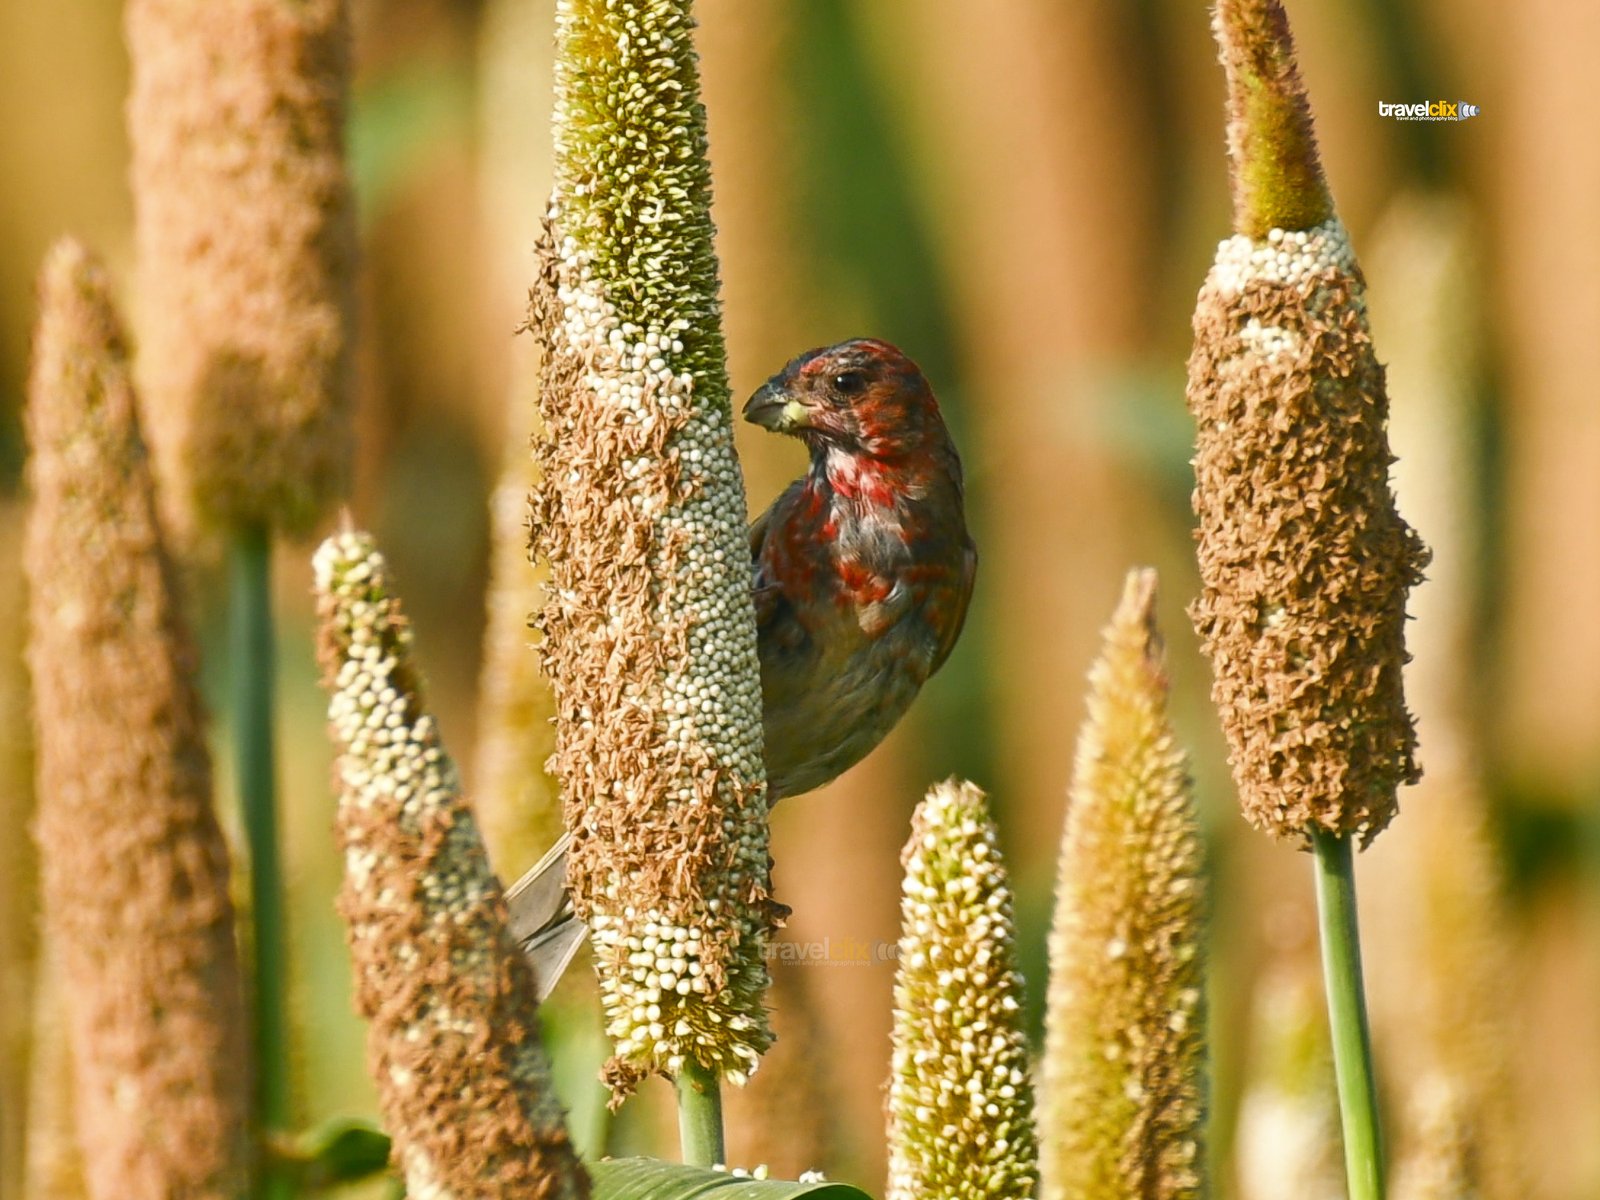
1347, 1015
700, 1116
253, 667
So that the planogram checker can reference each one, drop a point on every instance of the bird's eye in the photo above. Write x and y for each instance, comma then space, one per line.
850, 382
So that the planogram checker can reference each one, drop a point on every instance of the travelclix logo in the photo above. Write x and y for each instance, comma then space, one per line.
1429, 110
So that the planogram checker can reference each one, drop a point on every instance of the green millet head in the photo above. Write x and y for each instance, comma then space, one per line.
453, 1038
960, 1100
633, 183
649, 633
1272, 148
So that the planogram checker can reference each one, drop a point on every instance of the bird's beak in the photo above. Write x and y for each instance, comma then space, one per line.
772, 409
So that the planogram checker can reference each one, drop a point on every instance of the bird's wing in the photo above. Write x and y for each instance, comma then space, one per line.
540, 918
766, 592
763, 590
952, 631
550, 954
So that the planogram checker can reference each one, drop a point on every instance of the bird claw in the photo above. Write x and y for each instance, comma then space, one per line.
777, 914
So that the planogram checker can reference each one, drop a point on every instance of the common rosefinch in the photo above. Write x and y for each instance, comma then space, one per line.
862, 573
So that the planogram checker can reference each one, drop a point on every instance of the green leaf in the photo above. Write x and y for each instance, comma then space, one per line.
652, 1179
341, 1150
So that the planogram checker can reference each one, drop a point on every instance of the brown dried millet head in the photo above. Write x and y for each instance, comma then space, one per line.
649, 632
453, 1037
246, 238
134, 869
1123, 1096
1304, 561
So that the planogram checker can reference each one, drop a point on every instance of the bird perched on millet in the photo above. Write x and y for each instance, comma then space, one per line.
861, 574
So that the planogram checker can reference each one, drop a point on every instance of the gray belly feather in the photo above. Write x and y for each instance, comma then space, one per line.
851, 704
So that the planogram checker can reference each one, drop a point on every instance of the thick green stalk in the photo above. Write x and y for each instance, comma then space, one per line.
1347, 1015
253, 666
700, 1115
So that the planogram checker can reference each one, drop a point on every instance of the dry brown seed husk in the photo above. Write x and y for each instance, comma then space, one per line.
453, 1039
134, 870
1304, 561
649, 631
666, 820
246, 241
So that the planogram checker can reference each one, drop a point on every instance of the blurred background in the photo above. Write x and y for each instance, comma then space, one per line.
1025, 196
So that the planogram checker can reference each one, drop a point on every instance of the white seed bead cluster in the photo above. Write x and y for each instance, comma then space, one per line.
960, 1099
716, 699
1269, 341
1292, 257
646, 1013
719, 699
391, 759
760, 1171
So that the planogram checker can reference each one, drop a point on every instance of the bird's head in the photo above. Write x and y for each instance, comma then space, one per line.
863, 397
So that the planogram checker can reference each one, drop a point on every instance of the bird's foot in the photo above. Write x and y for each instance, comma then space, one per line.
777, 914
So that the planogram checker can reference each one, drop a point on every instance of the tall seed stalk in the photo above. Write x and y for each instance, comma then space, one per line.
1305, 563
649, 633
1123, 1078
245, 238
453, 1040
134, 865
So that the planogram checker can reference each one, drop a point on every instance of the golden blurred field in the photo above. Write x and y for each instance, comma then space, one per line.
1025, 196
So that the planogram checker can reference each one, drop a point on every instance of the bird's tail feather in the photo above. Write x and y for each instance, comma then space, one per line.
541, 917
